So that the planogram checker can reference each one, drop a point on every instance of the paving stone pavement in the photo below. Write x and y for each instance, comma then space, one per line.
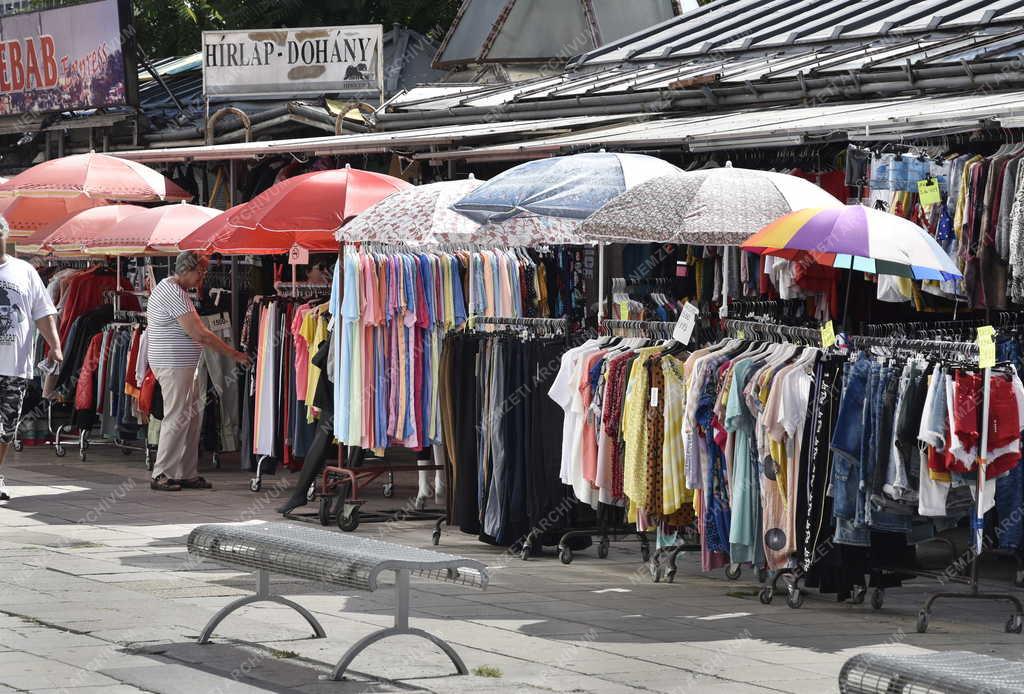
98, 595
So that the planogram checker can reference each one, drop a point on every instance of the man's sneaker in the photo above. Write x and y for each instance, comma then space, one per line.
4, 496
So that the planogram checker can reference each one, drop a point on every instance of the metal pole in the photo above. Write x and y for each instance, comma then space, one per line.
982, 460
600, 283
236, 297
117, 286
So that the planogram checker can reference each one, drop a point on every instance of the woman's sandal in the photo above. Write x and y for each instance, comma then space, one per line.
163, 483
195, 483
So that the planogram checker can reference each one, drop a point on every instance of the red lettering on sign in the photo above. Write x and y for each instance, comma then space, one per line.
33, 80
49, 51
17, 68
4, 84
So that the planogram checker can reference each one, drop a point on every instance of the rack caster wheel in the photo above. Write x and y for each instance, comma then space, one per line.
732, 572
602, 548
645, 553
565, 555
524, 553
857, 597
311, 492
84, 445
149, 465
922, 622
216, 461
255, 484
60, 451
766, 596
795, 598
389, 490
18, 446
877, 598
349, 522
324, 512
671, 576
1014, 625
435, 538
656, 574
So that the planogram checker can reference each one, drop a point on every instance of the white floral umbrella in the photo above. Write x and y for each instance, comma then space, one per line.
422, 216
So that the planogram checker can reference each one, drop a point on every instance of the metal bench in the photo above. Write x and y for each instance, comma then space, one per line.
953, 672
328, 557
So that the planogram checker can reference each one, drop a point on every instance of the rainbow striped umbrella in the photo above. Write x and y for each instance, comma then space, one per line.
856, 238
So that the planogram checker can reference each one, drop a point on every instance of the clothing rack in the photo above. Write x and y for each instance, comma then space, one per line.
772, 332
641, 328
552, 324
303, 289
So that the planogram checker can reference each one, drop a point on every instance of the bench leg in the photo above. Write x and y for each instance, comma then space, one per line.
262, 595
401, 628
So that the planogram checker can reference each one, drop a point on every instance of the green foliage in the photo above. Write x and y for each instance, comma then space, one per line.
173, 27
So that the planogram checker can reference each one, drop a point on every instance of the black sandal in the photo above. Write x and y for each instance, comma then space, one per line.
163, 483
195, 483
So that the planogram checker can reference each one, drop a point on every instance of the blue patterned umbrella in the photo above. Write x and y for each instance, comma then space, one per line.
570, 187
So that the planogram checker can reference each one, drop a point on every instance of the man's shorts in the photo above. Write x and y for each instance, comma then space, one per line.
12, 397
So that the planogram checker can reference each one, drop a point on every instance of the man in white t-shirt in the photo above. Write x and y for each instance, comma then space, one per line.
25, 306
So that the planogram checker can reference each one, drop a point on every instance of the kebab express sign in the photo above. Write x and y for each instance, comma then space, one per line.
63, 59
293, 62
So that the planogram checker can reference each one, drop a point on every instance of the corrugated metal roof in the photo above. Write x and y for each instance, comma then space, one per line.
727, 26
368, 143
510, 31
882, 119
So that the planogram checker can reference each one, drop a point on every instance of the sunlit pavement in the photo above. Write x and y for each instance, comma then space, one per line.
97, 595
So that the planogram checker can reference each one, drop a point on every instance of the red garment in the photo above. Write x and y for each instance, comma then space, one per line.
812, 277
1004, 424
85, 292
833, 182
148, 389
85, 389
130, 385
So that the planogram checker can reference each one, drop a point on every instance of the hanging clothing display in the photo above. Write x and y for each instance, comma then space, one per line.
107, 392
88, 290
502, 435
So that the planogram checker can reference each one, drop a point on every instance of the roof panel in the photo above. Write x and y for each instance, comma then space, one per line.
463, 42
540, 31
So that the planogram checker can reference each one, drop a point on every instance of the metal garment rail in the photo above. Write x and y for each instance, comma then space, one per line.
645, 328
550, 323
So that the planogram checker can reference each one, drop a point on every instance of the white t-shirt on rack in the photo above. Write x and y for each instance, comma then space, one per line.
23, 301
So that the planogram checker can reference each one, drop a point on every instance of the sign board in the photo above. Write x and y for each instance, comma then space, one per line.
65, 59
345, 60
298, 255
686, 323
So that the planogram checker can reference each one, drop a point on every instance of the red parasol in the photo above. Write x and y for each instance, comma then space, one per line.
304, 211
26, 216
95, 175
155, 231
71, 236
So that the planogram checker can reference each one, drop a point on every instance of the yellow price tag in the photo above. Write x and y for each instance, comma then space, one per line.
929, 192
828, 335
986, 354
986, 347
623, 310
741, 335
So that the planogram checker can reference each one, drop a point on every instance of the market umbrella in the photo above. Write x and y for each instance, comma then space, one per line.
153, 232
70, 237
26, 216
570, 187
95, 175
304, 211
422, 215
717, 207
857, 238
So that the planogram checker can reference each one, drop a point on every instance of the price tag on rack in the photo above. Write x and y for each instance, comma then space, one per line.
686, 323
928, 191
986, 347
623, 310
828, 335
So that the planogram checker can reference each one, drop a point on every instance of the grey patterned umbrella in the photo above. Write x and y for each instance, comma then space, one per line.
715, 207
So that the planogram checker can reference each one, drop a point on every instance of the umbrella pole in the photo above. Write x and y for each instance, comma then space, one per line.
117, 285
846, 301
295, 288
600, 284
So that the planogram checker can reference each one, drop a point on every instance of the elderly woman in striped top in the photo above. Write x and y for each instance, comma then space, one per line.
176, 339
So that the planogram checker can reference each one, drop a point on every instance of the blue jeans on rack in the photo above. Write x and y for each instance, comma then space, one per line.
848, 439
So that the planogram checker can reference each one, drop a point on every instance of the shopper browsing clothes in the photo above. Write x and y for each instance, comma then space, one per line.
176, 339
24, 306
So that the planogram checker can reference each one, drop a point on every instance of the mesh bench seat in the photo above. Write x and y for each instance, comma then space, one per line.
953, 672
333, 558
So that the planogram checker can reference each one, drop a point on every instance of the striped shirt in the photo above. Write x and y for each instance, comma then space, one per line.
170, 346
